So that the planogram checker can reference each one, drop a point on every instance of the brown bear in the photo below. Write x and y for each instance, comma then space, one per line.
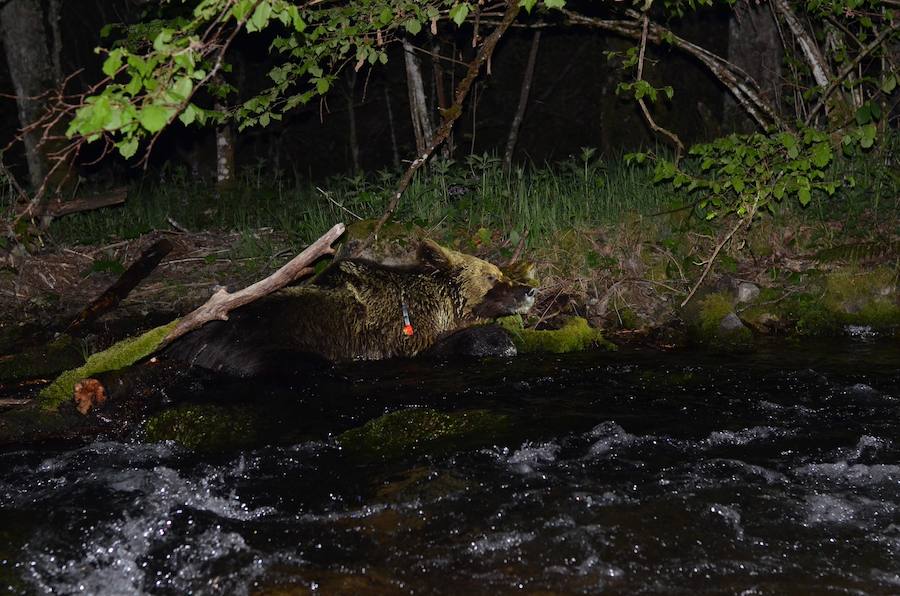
361, 310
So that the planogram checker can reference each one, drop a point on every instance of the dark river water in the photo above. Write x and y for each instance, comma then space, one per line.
627, 473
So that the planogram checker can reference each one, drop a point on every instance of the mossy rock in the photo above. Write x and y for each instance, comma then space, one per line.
576, 335
706, 318
864, 297
119, 355
417, 430
809, 315
205, 427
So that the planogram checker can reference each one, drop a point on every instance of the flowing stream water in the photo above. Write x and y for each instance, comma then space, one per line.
776, 472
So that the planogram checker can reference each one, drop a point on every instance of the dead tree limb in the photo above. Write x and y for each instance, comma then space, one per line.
524, 92
58, 207
452, 113
117, 292
744, 88
223, 301
94, 388
679, 146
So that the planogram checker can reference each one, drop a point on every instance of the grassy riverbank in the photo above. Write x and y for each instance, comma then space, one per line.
610, 245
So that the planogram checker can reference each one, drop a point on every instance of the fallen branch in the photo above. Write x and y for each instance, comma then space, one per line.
712, 258
89, 391
117, 292
223, 301
58, 207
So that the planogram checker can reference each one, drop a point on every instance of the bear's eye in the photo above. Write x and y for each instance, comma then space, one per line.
491, 278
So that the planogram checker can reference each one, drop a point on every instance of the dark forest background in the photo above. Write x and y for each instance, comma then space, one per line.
573, 103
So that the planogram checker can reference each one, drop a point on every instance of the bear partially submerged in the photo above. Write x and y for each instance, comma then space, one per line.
361, 310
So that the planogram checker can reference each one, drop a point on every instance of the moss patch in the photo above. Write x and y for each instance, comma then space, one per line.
119, 355
864, 298
421, 429
705, 321
205, 427
575, 335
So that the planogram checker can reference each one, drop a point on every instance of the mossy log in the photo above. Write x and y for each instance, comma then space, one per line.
575, 335
110, 373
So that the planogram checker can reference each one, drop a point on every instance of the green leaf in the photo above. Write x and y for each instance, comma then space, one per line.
154, 117
864, 114
867, 136
554, 3
821, 155
804, 195
242, 9
182, 88
322, 86
127, 147
189, 115
528, 5
113, 62
889, 83
413, 26
459, 12
163, 39
260, 17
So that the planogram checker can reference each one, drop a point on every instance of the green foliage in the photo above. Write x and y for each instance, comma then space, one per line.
743, 174
155, 68
580, 193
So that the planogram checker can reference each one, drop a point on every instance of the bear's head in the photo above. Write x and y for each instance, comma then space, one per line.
485, 291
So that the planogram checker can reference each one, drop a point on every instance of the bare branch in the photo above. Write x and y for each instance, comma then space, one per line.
223, 302
453, 112
739, 83
849, 67
679, 146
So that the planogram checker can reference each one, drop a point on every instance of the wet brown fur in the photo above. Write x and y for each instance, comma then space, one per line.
353, 311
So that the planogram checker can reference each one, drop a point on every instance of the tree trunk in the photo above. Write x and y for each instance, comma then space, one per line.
351, 121
395, 152
754, 45
224, 152
31, 67
418, 107
440, 92
523, 101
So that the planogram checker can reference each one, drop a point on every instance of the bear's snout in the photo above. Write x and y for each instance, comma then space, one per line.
506, 298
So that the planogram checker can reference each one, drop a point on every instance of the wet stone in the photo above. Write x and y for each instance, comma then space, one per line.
747, 292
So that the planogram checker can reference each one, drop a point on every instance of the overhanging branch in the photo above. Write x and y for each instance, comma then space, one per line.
739, 83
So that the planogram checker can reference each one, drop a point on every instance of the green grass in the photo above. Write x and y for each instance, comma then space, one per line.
471, 197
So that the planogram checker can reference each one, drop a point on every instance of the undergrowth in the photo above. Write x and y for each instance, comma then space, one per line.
474, 197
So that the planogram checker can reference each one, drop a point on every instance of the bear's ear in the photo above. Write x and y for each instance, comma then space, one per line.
432, 253
523, 272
